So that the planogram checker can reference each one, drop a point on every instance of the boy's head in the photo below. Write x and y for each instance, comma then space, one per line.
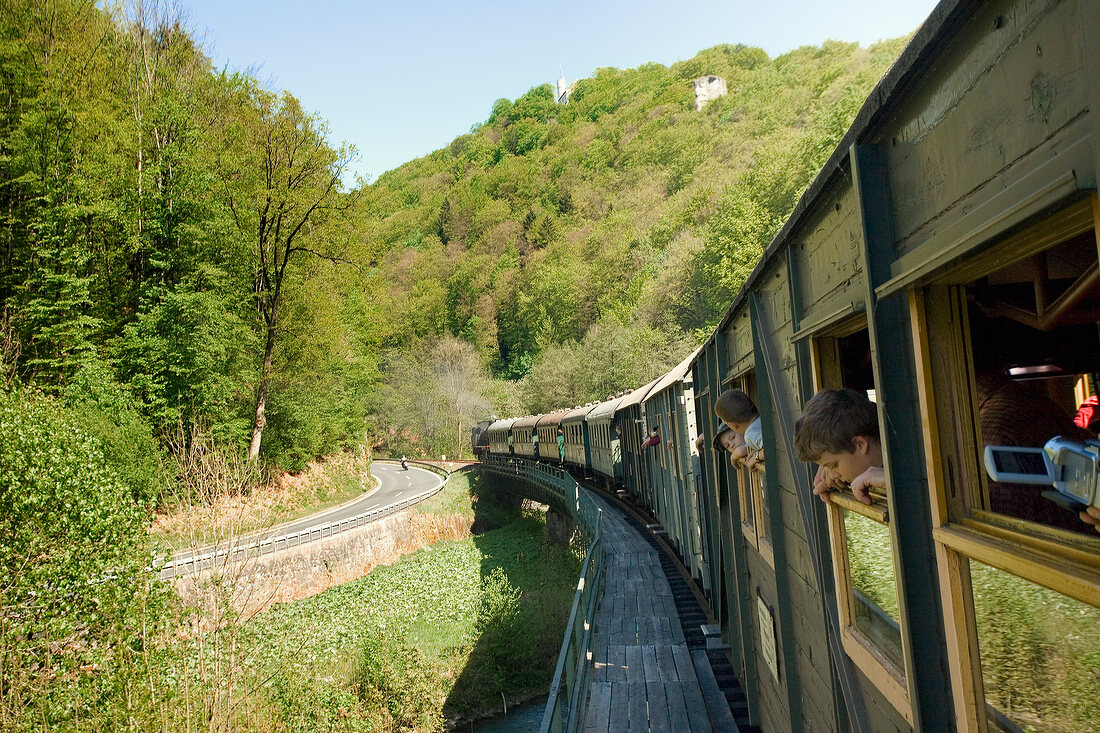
726, 439
735, 409
839, 430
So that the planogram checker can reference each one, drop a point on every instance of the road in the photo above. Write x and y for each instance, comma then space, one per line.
395, 486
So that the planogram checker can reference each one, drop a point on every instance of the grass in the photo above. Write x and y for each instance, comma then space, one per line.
439, 636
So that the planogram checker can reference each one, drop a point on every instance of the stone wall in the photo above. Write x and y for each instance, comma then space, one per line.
253, 585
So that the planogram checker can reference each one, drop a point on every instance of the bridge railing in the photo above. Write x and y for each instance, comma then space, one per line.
569, 689
262, 544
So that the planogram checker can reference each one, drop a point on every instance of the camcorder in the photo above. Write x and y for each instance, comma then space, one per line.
1071, 467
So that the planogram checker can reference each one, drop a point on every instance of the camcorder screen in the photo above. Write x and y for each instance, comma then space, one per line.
1021, 463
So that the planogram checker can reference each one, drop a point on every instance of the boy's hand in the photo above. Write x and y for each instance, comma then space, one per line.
1091, 516
755, 461
824, 482
738, 454
873, 476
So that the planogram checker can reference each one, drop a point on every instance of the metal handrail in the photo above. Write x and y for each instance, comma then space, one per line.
268, 545
565, 712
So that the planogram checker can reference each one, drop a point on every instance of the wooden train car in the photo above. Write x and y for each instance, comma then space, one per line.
634, 435
670, 404
944, 262
547, 429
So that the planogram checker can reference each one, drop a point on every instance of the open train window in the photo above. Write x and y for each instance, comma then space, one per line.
755, 512
862, 551
1008, 347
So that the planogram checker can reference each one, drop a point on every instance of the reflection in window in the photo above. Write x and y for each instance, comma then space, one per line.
874, 587
1040, 654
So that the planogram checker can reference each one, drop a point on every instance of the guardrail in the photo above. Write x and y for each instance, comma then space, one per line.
565, 712
246, 550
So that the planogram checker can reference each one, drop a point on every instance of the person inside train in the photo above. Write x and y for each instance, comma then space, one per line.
1088, 416
838, 431
738, 412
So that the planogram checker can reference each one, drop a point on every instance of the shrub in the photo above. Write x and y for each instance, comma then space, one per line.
74, 589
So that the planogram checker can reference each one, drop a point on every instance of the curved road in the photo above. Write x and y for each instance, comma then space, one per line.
395, 485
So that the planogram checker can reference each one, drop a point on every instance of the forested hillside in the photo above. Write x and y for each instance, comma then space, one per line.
178, 249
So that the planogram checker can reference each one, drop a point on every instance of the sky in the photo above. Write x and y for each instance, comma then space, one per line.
401, 78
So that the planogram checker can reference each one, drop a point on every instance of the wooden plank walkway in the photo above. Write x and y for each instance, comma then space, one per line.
642, 677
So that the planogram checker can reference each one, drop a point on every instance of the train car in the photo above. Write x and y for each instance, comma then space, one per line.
636, 436
500, 436
944, 264
547, 430
479, 438
525, 441
603, 434
578, 449
673, 465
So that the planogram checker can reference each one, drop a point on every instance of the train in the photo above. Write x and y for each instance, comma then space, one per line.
944, 262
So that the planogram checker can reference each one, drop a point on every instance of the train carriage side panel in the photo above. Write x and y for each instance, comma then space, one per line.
671, 471
634, 431
577, 443
525, 439
500, 436
547, 430
603, 432
1012, 86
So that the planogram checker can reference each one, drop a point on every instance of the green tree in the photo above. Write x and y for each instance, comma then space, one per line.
283, 189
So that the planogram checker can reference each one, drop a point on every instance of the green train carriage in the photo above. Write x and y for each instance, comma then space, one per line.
951, 238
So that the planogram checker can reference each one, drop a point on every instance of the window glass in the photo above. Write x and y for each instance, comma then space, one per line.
874, 587
1040, 654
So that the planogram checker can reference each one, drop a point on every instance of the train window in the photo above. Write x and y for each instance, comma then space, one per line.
1040, 665
755, 512
863, 557
1008, 347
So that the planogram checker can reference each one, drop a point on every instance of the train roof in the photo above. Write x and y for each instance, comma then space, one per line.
677, 374
605, 409
578, 413
552, 418
526, 422
502, 424
637, 396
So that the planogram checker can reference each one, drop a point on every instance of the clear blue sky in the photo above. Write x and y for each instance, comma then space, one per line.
401, 78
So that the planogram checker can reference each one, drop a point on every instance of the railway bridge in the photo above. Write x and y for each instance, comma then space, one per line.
639, 652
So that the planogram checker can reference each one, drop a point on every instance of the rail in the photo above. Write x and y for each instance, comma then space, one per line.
246, 550
564, 712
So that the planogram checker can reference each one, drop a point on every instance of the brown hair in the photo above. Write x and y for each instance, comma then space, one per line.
831, 420
734, 405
